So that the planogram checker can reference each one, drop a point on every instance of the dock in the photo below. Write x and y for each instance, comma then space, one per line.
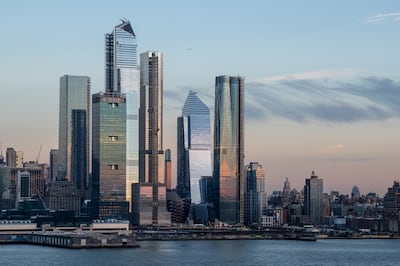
74, 240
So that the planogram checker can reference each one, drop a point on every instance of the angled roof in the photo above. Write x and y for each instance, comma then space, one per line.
126, 26
193, 105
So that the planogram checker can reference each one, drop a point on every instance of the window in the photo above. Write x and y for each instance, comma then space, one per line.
112, 138
113, 105
113, 166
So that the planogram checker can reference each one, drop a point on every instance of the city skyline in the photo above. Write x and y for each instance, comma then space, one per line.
327, 103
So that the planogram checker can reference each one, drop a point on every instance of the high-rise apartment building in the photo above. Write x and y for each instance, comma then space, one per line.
73, 139
193, 148
151, 154
122, 76
228, 174
254, 196
109, 152
313, 198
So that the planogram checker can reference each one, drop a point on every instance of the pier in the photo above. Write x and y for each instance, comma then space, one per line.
74, 240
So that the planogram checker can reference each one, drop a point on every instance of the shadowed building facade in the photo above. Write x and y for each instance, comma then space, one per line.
74, 97
228, 174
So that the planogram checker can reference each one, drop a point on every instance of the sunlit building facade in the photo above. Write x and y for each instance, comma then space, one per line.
168, 169
313, 198
74, 96
194, 147
228, 174
122, 76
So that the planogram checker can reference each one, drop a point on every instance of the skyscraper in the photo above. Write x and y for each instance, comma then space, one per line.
228, 174
109, 154
194, 147
79, 160
151, 154
74, 97
313, 197
122, 76
254, 196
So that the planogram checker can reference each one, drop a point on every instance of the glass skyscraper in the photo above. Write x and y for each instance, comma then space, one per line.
194, 148
254, 196
74, 105
79, 159
228, 174
122, 76
109, 153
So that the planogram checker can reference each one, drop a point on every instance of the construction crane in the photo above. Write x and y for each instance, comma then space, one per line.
37, 158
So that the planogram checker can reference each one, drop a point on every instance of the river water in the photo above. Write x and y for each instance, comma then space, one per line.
215, 252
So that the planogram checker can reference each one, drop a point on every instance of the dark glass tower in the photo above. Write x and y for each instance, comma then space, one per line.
78, 151
228, 174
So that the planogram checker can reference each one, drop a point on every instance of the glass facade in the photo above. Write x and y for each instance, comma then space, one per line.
194, 147
74, 95
79, 158
228, 174
254, 194
109, 148
122, 76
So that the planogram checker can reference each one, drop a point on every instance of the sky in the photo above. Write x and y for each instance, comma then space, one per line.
322, 87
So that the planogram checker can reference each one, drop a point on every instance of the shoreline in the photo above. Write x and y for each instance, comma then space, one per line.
92, 240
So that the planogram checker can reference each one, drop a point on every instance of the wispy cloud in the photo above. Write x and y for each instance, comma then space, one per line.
379, 18
312, 75
307, 98
342, 96
332, 149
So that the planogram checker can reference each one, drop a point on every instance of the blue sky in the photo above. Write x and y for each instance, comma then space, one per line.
322, 78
